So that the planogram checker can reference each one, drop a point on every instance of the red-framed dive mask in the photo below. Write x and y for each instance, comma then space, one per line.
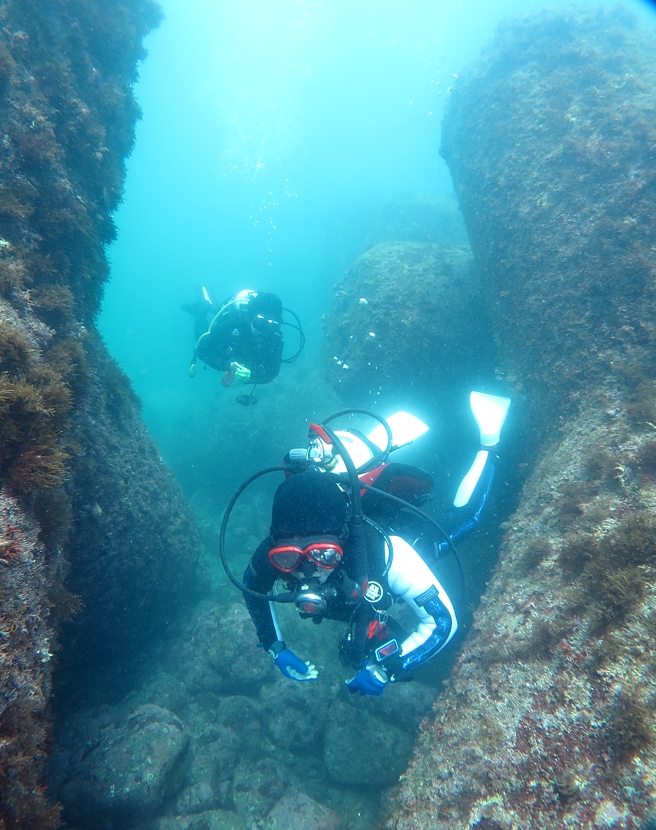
323, 553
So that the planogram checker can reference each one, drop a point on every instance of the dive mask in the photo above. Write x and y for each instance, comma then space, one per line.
323, 553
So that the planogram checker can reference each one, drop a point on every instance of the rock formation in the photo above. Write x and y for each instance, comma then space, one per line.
82, 489
547, 720
217, 736
407, 320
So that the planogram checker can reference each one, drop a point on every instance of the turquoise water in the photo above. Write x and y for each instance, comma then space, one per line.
272, 132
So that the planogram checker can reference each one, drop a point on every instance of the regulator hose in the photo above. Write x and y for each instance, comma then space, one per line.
285, 597
356, 523
430, 519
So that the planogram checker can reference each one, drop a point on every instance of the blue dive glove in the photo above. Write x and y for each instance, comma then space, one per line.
370, 680
292, 666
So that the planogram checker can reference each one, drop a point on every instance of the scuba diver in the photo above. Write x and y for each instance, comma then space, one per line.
347, 541
241, 337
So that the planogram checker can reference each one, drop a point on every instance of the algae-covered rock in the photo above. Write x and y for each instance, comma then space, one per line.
547, 720
557, 193
361, 750
297, 811
125, 776
67, 71
406, 316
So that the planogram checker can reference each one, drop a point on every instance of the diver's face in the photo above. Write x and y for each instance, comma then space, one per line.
308, 570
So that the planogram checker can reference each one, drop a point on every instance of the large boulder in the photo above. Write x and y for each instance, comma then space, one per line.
219, 653
207, 785
417, 218
298, 725
208, 820
257, 786
133, 549
68, 111
407, 319
361, 750
126, 774
556, 193
297, 811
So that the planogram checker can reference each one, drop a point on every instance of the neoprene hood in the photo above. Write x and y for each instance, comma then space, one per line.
306, 504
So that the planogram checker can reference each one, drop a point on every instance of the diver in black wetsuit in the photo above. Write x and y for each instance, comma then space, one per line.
311, 556
241, 338
311, 549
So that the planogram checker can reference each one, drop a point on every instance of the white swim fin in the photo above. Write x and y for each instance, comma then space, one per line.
490, 412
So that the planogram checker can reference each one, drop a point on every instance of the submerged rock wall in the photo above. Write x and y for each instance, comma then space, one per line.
82, 491
548, 718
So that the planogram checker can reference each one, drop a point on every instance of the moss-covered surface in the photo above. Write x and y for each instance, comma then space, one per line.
68, 114
547, 720
406, 319
549, 138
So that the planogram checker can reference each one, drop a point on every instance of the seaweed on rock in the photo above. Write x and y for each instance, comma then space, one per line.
549, 137
67, 68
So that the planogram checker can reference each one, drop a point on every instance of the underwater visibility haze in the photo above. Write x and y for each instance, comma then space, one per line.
456, 201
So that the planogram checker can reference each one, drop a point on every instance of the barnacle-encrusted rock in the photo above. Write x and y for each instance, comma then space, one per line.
547, 719
406, 317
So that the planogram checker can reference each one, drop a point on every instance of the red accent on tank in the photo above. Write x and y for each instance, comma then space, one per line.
370, 477
321, 432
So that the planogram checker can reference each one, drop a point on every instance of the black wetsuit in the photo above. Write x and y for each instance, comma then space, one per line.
232, 339
436, 621
260, 576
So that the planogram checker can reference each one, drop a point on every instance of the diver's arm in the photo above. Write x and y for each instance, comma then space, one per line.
217, 345
410, 579
260, 577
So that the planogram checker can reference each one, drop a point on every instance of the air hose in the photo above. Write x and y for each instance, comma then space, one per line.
285, 597
356, 523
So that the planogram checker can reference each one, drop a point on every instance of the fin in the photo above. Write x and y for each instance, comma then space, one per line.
469, 482
405, 428
490, 413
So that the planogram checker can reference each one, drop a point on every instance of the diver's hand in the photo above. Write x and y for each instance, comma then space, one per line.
370, 680
291, 666
241, 372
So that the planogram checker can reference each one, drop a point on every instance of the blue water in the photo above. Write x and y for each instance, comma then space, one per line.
272, 130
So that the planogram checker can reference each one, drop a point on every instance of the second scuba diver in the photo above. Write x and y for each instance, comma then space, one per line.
344, 542
241, 337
